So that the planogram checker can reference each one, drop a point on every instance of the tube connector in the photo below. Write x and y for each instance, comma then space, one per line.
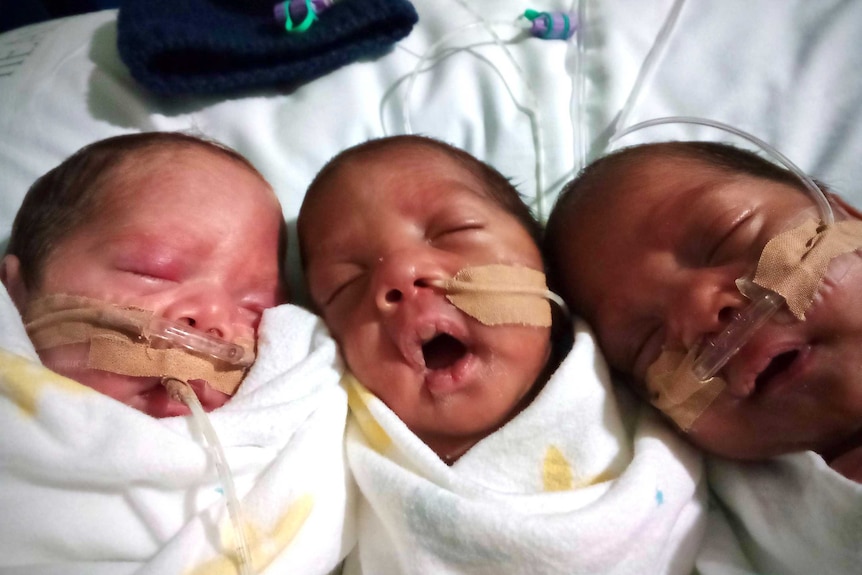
552, 25
174, 334
714, 354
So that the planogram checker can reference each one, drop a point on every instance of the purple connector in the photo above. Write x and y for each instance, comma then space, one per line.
552, 25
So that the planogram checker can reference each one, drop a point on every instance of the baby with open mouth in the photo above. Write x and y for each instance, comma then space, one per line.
671, 251
684, 228
484, 435
384, 229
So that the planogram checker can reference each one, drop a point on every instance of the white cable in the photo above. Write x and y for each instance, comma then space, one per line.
427, 55
577, 99
649, 66
530, 109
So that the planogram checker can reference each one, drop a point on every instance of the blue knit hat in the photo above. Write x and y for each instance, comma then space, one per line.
217, 46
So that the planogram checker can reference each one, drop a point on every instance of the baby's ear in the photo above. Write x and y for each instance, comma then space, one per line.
837, 200
10, 276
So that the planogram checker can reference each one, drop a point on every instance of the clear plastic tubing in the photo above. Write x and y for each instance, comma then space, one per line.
816, 193
181, 335
234, 508
716, 352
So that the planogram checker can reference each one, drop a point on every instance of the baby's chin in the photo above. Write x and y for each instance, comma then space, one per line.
156, 401
147, 394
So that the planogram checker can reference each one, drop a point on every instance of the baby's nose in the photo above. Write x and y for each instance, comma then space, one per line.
205, 310
401, 277
705, 311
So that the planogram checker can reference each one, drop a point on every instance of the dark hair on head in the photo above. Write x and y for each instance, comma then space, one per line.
499, 188
67, 196
608, 172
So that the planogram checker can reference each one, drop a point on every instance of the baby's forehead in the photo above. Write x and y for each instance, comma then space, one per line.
412, 171
410, 156
134, 164
654, 178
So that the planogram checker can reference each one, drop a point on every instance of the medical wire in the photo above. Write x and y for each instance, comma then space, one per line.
427, 55
529, 109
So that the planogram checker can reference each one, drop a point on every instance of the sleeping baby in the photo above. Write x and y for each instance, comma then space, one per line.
676, 254
480, 443
143, 268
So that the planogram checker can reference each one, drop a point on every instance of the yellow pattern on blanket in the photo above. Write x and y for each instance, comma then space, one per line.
264, 546
357, 398
556, 472
24, 380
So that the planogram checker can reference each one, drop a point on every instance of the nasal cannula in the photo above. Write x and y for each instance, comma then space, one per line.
713, 354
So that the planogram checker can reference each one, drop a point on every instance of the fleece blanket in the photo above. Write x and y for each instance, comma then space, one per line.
792, 515
91, 486
567, 486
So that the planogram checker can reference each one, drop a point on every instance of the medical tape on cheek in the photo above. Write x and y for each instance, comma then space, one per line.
794, 263
500, 294
119, 341
676, 391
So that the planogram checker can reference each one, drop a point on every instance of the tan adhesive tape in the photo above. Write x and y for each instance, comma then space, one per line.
793, 263
118, 354
117, 337
61, 319
500, 294
676, 391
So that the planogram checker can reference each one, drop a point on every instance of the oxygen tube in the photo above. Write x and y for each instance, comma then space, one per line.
134, 342
712, 355
182, 391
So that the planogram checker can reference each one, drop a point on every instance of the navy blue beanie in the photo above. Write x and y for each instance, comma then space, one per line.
216, 46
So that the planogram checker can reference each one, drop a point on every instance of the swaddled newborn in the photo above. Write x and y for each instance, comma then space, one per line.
474, 448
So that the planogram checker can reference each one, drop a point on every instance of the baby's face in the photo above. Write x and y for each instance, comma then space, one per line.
374, 236
654, 266
190, 235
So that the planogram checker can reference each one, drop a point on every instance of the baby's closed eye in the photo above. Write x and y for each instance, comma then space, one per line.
152, 262
459, 229
730, 241
453, 229
150, 274
335, 283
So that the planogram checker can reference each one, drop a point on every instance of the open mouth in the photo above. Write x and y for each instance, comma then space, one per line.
777, 366
442, 351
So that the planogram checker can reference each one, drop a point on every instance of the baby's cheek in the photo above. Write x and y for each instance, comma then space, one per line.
525, 348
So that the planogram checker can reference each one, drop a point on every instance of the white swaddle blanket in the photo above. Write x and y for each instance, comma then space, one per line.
90, 485
792, 515
564, 487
